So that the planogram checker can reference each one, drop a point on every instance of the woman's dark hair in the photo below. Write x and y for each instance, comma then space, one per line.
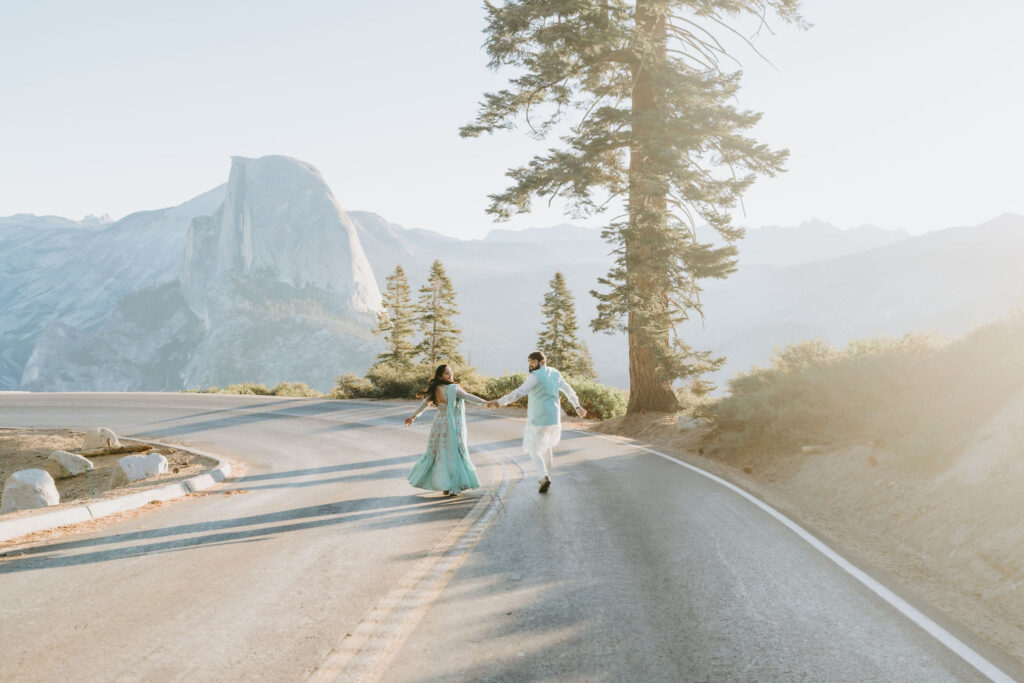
436, 381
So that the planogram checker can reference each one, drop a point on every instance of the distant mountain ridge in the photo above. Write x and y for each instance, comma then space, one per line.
813, 240
266, 278
944, 282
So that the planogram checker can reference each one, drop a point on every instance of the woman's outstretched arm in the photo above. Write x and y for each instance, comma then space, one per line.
419, 411
468, 397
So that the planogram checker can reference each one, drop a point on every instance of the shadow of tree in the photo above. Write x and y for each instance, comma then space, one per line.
412, 509
285, 411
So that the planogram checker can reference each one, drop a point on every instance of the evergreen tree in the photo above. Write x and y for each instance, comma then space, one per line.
559, 340
656, 131
395, 323
435, 312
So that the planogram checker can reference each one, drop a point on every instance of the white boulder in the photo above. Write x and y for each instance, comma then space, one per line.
101, 437
135, 467
62, 464
28, 489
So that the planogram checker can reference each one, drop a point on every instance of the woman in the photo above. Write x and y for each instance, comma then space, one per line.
446, 465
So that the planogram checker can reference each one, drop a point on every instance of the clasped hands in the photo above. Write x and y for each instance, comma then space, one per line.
494, 404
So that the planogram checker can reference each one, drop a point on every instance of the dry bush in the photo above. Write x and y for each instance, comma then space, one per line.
918, 395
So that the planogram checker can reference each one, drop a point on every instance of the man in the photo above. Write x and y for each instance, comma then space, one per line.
543, 414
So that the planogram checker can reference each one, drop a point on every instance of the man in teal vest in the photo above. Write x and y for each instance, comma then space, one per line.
543, 413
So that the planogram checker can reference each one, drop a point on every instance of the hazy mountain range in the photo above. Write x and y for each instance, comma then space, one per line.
267, 278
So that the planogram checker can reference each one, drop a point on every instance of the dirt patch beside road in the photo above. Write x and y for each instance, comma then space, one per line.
22, 449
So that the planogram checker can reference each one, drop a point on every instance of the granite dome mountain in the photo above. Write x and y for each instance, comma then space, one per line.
263, 278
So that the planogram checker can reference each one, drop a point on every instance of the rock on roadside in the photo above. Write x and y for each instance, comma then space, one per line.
101, 437
135, 467
62, 464
28, 489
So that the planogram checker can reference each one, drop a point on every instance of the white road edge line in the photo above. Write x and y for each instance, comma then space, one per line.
985, 667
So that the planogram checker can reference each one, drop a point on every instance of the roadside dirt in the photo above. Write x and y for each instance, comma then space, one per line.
948, 530
22, 449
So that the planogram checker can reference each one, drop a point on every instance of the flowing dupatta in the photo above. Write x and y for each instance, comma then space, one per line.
456, 457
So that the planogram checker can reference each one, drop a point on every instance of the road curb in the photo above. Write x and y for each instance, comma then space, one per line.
101, 508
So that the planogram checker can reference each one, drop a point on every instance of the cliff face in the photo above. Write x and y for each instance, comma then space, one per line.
269, 283
278, 218
55, 271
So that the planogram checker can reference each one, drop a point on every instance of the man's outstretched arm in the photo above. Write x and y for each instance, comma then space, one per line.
524, 388
571, 393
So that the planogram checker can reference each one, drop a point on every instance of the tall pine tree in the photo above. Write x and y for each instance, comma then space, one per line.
653, 128
435, 313
559, 340
395, 323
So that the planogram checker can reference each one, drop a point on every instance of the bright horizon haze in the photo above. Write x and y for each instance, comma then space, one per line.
901, 115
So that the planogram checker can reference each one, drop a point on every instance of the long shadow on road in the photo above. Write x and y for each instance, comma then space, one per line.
411, 509
363, 464
233, 409
244, 415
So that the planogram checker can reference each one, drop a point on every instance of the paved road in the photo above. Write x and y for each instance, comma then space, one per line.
331, 566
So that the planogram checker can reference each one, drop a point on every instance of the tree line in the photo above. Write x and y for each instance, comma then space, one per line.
432, 319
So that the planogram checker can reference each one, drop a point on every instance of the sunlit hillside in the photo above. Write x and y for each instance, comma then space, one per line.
920, 396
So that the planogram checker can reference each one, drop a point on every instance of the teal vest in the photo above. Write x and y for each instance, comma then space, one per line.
542, 407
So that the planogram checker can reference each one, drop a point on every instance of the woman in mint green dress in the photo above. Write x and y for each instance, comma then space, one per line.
446, 465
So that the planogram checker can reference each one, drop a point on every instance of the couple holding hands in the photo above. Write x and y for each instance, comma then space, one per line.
446, 466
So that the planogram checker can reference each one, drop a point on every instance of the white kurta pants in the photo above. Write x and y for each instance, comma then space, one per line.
539, 443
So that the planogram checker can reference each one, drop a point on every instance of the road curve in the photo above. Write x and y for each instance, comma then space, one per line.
327, 565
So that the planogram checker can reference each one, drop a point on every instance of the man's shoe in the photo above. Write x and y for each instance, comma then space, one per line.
545, 485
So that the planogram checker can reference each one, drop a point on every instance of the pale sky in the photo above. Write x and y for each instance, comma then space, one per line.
899, 113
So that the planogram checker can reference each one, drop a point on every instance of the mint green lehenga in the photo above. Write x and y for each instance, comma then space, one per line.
446, 465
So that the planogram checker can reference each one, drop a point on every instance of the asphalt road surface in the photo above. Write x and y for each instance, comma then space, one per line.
320, 562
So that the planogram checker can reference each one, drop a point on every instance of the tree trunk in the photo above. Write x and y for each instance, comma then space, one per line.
648, 390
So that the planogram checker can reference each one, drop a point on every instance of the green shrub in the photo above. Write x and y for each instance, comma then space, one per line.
804, 355
496, 387
389, 381
246, 388
919, 394
472, 381
300, 389
695, 399
600, 401
251, 388
385, 380
351, 385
